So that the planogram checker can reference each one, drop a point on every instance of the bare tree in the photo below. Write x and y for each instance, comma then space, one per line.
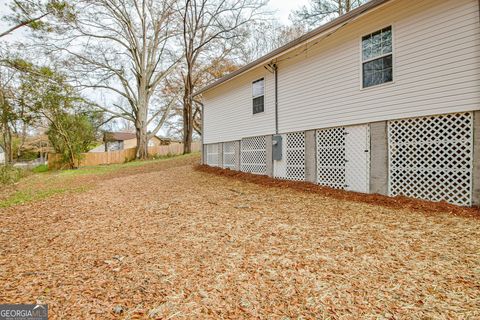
207, 72
318, 11
8, 115
211, 28
120, 124
264, 37
123, 49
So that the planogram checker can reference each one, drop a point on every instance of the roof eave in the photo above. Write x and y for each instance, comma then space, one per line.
295, 43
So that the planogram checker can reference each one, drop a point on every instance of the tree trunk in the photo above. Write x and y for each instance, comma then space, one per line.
141, 121
142, 135
142, 143
24, 137
340, 7
71, 154
7, 139
5, 129
348, 6
188, 112
187, 122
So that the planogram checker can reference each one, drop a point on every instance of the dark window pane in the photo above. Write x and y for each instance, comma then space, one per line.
367, 67
258, 88
367, 78
367, 52
377, 65
258, 104
367, 48
387, 62
388, 75
377, 44
376, 33
386, 35
387, 41
377, 71
377, 77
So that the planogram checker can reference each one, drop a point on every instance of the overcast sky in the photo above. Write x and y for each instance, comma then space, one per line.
282, 9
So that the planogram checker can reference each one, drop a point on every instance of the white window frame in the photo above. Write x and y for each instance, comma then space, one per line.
253, 96
394, 73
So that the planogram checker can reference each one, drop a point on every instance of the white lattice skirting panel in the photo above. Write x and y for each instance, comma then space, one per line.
331, 157
212, 154
431, 157
230, 155
343, 158
292, 165
254, 155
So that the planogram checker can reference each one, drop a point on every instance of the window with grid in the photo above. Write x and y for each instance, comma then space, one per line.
258, 93
377, 58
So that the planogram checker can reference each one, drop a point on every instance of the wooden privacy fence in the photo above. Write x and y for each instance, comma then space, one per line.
120, 156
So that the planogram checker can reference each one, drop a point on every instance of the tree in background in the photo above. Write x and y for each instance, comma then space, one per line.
141, 61
264, 37
215, 69
318, 11
123, 49
72, 122
211, 29
14, 117
8, 116
44, 94
31, 13
71, 135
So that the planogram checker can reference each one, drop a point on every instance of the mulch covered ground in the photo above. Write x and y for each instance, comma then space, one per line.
179, 243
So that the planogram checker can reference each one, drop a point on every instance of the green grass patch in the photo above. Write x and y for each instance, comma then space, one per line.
26, 196
41, 168
104, 169
44, 183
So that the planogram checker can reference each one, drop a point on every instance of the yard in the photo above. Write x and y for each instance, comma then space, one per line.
161, 240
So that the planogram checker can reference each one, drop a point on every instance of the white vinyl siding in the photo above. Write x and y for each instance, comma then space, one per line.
436, 55
436, 62
228, 109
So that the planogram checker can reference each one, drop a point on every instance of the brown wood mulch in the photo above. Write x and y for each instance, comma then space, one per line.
177, 243
398, 202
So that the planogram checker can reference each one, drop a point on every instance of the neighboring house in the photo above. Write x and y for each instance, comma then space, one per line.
384, 99
124, 140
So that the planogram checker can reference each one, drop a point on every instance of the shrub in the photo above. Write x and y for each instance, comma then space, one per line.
10, 174
28, 155
70, 136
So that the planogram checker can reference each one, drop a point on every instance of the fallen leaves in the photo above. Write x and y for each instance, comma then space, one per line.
174, 243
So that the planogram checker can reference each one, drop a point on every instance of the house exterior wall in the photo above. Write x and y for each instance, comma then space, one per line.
422, 127
436, 49
114, 145
228, 109
132, 143
128, 144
